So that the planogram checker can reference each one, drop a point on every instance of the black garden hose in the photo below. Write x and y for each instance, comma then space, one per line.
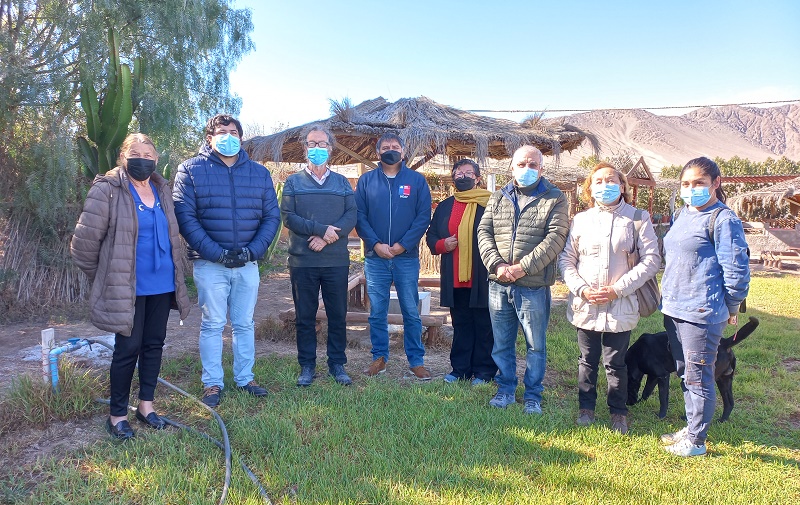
224, 445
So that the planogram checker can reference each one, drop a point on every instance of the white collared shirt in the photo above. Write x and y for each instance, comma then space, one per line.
320, 180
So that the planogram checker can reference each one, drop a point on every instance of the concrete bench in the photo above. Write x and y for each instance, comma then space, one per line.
776, 259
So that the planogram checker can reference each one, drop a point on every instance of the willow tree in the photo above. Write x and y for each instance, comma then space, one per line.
47, 48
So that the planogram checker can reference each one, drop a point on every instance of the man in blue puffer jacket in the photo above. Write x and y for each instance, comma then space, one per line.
394, 211
228, 213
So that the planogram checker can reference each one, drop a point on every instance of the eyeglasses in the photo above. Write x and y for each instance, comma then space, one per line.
459, 175
322, 144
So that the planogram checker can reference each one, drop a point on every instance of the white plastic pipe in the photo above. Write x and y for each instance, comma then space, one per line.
48, 343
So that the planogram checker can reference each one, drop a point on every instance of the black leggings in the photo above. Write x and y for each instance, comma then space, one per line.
145, 343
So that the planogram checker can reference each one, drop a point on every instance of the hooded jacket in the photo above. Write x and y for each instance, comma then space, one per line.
393, 210
596, 254
104, 248
532, 236
220, 207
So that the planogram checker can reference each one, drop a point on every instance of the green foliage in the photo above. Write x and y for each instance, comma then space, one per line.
671, 172
107, 120
741, 166
30, 401
49, 47
589, 162
274, 244
46, 191
390, 440
53, 56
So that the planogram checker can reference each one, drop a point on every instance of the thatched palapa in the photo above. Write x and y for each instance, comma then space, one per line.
428, 129
773, 201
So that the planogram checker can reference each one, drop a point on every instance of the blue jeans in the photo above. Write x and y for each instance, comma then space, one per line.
403, 271
694, 349
510, 307
220, 290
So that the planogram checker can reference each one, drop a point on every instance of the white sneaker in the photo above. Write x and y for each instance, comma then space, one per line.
671, 438
686, 448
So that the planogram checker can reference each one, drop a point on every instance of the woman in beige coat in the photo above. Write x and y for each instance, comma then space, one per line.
127, 243
602, 287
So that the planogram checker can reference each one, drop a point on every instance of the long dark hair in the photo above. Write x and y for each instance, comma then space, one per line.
710, 168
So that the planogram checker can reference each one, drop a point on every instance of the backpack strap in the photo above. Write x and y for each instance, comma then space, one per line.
637, 225
711, 222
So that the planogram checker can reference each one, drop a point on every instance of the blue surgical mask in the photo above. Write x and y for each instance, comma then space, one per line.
696, 197
226, 144
317, 155
525, 176
606, 193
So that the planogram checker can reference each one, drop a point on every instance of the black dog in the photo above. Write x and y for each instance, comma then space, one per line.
650, 355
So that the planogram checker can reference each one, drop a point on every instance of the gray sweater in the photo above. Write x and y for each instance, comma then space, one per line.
307, 208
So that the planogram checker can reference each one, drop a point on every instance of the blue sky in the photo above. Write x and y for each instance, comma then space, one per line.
515, 54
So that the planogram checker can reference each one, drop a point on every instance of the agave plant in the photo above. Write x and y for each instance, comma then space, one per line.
107, 118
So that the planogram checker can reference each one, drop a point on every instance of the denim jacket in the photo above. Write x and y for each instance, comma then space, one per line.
704, 282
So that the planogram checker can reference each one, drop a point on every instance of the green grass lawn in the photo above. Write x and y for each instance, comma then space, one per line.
384, 441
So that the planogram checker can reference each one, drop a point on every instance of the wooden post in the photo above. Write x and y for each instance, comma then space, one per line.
48, 343
362, 169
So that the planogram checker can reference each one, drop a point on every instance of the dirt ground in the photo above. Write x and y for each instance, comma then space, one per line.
21, 341
22, 355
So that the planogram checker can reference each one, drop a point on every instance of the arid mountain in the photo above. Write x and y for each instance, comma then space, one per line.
747, 132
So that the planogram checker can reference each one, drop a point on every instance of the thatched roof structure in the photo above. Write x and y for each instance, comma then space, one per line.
428, 129
769, 202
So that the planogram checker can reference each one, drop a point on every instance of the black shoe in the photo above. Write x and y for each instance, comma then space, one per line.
152, 420
336, 370
211, 396
307, 375
121, 431
254, 389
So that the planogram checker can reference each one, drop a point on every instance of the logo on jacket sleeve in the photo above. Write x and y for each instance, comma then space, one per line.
405, 191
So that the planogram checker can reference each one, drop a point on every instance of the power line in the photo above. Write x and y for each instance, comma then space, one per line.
638, 108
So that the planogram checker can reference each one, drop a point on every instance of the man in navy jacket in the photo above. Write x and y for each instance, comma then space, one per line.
228, 213
394, 211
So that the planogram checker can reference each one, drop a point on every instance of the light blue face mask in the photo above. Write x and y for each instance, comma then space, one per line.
696, 197
607, 193
317, 155
525, 176
226, 144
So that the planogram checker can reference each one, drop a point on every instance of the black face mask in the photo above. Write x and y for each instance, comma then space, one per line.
464, 183
390, 158
140, 168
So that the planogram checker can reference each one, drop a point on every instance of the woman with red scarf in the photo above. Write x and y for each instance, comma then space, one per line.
464, 280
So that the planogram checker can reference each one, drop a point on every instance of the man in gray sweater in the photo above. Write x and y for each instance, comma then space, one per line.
319, 210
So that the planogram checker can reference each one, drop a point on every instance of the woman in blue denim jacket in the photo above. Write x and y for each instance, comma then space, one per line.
706, 278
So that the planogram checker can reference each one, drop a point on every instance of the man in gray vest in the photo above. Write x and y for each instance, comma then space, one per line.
521, 234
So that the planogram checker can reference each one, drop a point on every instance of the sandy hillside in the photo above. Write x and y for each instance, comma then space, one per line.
747, 132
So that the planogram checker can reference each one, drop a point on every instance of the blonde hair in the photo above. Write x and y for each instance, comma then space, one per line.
625, 188
133, 138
